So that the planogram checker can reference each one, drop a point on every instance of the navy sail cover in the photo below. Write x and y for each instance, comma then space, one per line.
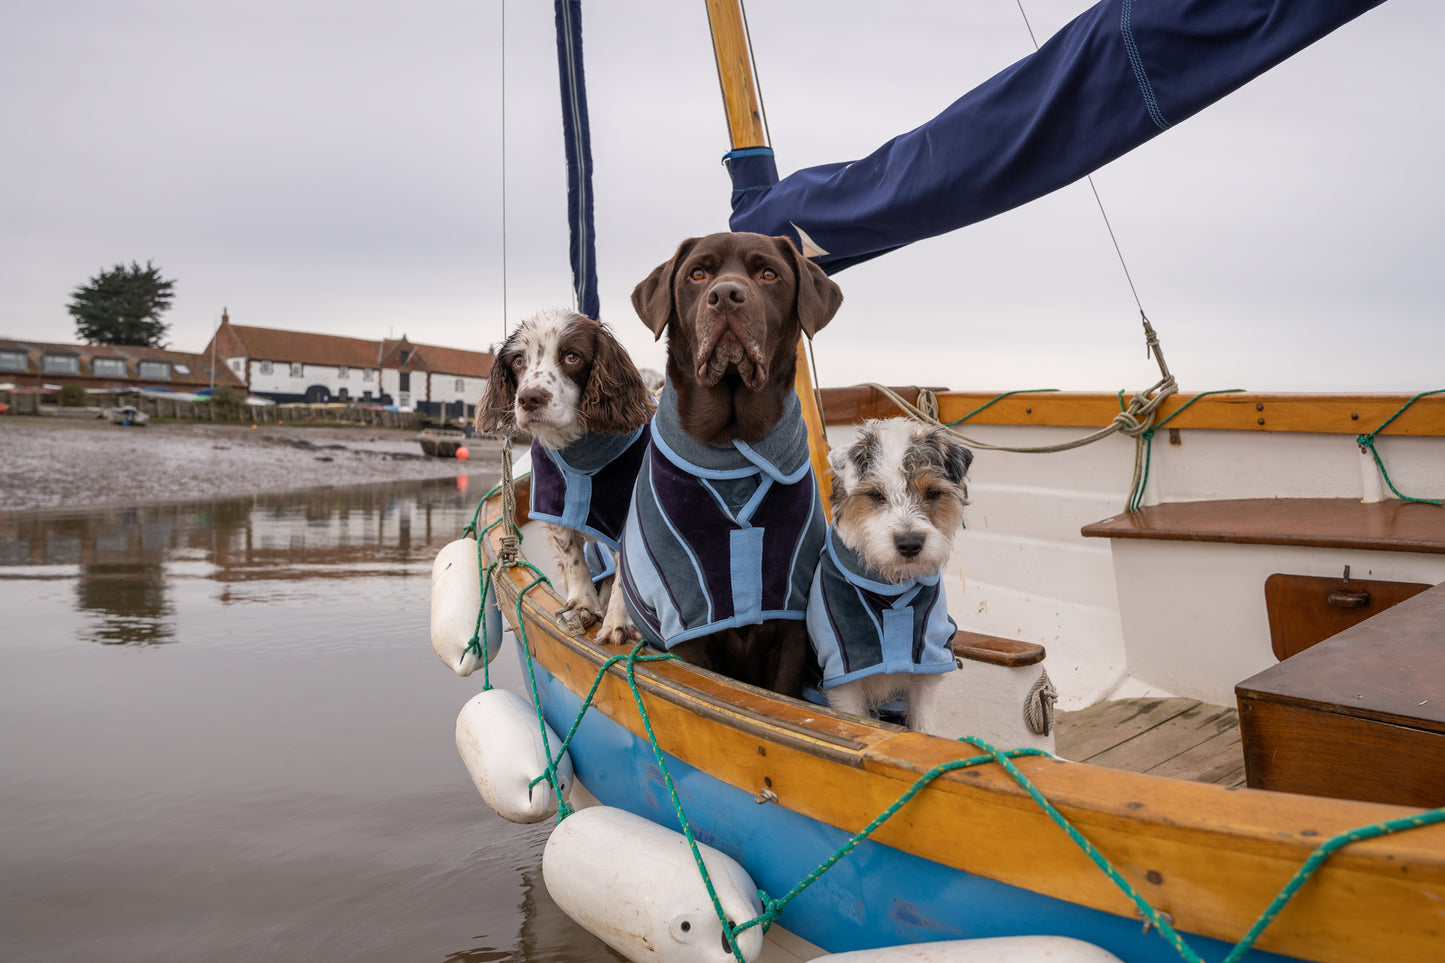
577, 138
1112, 79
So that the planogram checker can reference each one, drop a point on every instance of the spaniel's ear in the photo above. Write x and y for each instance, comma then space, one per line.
496, 411
615, 401
819, 298
652, 298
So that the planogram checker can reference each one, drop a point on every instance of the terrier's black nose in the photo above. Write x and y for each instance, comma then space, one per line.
908, 545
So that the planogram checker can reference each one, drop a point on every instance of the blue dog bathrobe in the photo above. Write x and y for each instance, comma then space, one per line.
587, 485
720, 537
860, 626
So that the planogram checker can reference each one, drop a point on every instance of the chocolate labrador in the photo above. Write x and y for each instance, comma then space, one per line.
726, 525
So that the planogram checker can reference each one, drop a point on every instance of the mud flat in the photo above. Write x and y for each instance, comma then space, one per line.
59, 463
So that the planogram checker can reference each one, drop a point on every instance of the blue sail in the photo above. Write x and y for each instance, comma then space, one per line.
1115, 77
577, 137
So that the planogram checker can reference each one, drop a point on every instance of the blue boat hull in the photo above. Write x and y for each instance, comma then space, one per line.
876, 896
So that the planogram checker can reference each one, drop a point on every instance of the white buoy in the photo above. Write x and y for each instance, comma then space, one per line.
998, 949
456, 594
635, 886
500, 742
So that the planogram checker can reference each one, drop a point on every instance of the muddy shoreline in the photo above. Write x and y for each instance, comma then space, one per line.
62, 463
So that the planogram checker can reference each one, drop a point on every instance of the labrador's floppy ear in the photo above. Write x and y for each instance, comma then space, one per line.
819, 298
652, 298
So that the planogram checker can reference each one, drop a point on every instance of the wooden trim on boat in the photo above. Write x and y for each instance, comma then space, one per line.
1341, 414
1391, 526
1211, 857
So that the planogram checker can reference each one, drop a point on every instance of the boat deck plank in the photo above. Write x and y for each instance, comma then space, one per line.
1179, 738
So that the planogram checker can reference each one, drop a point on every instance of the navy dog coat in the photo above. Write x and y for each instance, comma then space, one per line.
720, 537
860, 626
587, 485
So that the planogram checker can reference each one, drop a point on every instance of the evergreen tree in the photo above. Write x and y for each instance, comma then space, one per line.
122, 306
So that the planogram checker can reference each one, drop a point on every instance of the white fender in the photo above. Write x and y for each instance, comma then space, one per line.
635, 886
456, 594
501, 745
997, 949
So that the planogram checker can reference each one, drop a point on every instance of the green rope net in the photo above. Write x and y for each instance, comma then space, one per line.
773, 908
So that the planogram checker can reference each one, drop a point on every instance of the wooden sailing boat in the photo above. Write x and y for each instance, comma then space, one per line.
1159, 588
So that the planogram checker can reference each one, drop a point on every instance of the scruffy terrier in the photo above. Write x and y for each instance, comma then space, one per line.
877, 616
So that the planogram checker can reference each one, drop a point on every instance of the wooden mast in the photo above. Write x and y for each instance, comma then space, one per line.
745, 129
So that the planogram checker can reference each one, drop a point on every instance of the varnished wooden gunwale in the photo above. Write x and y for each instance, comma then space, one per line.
1342, 414
1211, 857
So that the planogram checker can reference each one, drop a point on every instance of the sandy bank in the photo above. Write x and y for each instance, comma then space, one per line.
63, 463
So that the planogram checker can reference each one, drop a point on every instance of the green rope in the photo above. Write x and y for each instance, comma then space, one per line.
1368, 441
550, 773
592, 693
1146, 446
773, 908
1427, 818
986, 404
478, 643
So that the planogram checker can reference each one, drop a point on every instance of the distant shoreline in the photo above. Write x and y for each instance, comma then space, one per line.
74, 464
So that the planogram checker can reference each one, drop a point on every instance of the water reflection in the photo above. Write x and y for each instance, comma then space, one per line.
226, 737
123, 559
129, 602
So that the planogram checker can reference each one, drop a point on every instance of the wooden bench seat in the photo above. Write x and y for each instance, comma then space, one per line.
1390, 526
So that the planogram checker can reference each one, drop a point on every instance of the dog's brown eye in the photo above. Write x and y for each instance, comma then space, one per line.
876, 497
518, 363
697, 274
933, 494
571, 359
769, 274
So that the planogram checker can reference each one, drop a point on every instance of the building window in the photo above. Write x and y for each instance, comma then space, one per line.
366, 374
461, 384
236, 365
155, 371
343, 395
108, 367
404, 381
296, 370
60, 364
263, 367
405, 355
13, 361
343, 372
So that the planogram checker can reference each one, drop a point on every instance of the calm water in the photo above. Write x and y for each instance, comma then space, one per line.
224, 735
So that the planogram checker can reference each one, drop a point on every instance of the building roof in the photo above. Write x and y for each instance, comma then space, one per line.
436, 359
273, 344
189, 369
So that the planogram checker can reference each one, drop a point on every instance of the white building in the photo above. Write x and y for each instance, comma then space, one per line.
298, 366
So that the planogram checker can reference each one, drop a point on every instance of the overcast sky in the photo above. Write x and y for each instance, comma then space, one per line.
339, 167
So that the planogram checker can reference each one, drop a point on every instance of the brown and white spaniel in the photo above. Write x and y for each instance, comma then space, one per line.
564, 379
